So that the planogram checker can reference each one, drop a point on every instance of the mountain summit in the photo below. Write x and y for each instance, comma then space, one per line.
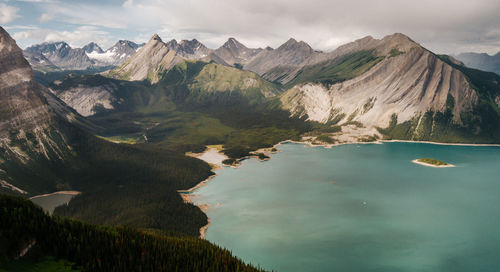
233, 52
148, 63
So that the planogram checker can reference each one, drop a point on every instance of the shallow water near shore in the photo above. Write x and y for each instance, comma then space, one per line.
360, 208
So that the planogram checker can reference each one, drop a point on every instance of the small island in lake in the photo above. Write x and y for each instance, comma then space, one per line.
432, 162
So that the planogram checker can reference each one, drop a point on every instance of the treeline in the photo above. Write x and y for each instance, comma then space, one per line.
97, 248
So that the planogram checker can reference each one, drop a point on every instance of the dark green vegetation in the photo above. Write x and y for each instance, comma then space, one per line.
132, 185
432, 161
197, 104
337, 70
96, 248
482, 125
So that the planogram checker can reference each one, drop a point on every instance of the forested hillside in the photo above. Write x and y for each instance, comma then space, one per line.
96, 248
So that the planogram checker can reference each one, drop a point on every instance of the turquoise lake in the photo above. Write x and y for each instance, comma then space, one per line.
360, 208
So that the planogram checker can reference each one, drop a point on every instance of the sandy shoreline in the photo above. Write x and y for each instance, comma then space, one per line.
57, 193
432, 165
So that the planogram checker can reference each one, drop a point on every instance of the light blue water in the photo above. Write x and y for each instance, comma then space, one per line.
360, 208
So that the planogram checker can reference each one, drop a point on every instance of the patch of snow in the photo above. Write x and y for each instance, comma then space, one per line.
104, 57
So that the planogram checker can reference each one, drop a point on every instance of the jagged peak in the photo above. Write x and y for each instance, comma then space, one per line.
233, 43
293, 44
5, 39
155, 37
399, 37
172, 42
191, 43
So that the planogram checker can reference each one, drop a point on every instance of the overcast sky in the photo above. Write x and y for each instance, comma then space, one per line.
443, 26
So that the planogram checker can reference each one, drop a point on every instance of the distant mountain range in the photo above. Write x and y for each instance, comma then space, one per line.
481, 61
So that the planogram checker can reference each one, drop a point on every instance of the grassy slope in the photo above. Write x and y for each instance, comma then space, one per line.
336, 70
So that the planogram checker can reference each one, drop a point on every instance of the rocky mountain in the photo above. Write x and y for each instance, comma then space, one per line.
116, 54
30, 118
189, 49
278, 64
389, 83
40, 62
62, 55
148, 63
481, 61
92, 47
233, 52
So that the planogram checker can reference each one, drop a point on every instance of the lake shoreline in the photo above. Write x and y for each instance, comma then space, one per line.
187, 194
57, 193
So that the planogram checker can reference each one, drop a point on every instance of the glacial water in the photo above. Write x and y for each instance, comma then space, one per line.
52, 201
360, 208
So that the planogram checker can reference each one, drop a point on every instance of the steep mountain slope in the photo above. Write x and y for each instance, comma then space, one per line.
31, 119
233, 52
383, 83
275, 64
62, 55
40, 62
191, 49
148, 63
115, 55
92, 47
481, 61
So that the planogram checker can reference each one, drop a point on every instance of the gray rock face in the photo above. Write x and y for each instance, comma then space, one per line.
92, 47
233, 52
89, 100
27, 122
62, 55
408, 85
116, 54
274, 64
481, 61
148, 63
40, 62
189, 49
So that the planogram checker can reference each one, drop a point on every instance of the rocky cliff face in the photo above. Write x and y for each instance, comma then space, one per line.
61, 55
148, 63
233, 52
407, 82
92, 47
33, 122
277, 64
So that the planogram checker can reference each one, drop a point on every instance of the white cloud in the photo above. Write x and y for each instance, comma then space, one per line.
46, 17
8, 13
442, 26
77, 38
128, 3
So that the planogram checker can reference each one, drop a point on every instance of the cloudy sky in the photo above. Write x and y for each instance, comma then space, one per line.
444, 26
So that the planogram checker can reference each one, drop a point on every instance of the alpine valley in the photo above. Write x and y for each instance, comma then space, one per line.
122, 128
